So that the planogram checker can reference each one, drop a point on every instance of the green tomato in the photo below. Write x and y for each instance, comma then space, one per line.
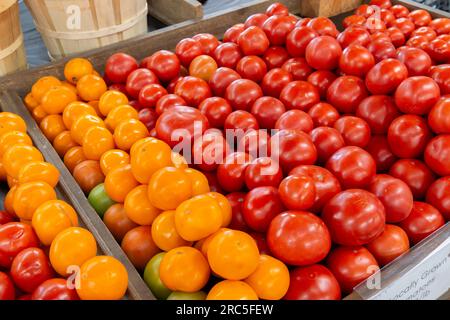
187, 296
152, 279
99, 200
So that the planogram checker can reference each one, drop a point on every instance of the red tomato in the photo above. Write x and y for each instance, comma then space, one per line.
391, 244
439, 116
119, 66
353, 20
397, 37
437, 155
187, 50
415, 174
381, 50
327, 141
346, 93
323, 53
252, 67
241, 120
236, 201
354, 130
15, 237
314, 282
423, 221
169, 101
416, 60
427, 32
275, 57
208, 42
405, 25
408, 136
326, 185
298, 40
420, 18
375, 24
299, 95
221, 79
277, 9
277, 29
381, 152
399, 11
357, 35
227, 55
298, 68
386, 76
365, 10
378, 112
255, 143
322, 81
30, 268
353, 167
54, 289
7, 290
356, 61
261, 242
263, 172
298, 238
387, 16
324, 114
260, 206
420, 42
216, 110
295, 120
164, 64
303, 22
351, 266
121, 87
267, 110
323, 26
441, 25
274, 81
256, 20
210, 150
214, 185
150, 95
441, 74
384, 4
172, 84
149, 117
381, 36
242, 93
231, 174
193, 90
293, 148
253, 41
297, 192
232, 34
138, 79
417, 95
439, 50
6, 217
438, 195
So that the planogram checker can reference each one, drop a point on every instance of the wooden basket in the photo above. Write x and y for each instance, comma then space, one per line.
12, 49
327, 8
69, 27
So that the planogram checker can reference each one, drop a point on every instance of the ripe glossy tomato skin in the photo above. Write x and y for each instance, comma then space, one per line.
392, 243
315, 282
352, 166
277, 9
236, 200
221, 79
298, 68
232, 33
275, 57
357, 35
323, 26
260, 206
164, 64
231, 174
267, 110
208, 42
441, 74
378, 112
7, 290
408, 136
297, 192
119, 66
252, 67
437, 155
263, 172
255, 143
356, 60
423, 221
427, 32
298, 238
209, 150
381, 50
351, 266
227, 55
416, 60
216, 109
253, 41
381, 152
438, 195
439, 50
277, 29
188, 49
417, 95
138, 79
54, 289
354, 130
193, 90
299, 95
415, 174
386, 76
15, 237
6, 217
395, 195
327, 141
242, 94
396, 35
420, 17
322, 80
324, 114
298, 40
241, 120
346, 93
149, 117
274, 81
150, 94
323, 53
295, 120
354, 217
256, 20
441, 25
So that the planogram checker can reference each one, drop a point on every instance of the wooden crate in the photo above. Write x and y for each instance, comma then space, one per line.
14, 87
327, 8
175, 11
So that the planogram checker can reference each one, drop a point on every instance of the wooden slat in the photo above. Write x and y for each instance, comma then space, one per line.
327, 8
175, 11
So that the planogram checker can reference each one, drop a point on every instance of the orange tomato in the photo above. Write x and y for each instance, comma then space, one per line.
13, 138
39, 171
69, 86
91, 87
138, 207
110, 100
56, 99
178, 161
73, 157
119, 182
77, 68
184, 269
164, 232
17, 156
168, 188
38, 114
81, 126
102, 278
11, 122
96, 142
118, 114
233, 255
72, 247
9, 200
128, 132
11, 181
117, 221
51, 218
197, 218
270, 279
44, 84
63, 143
29, 196
139, 246
112, 159
224, 205
94, 104
51, 126
148, 156
74, 111
2, 172
199, 182
203, 67
30, 102
232, 290
88, 175
206, 241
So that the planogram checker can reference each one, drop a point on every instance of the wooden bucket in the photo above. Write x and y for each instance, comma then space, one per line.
12, 49
69, 27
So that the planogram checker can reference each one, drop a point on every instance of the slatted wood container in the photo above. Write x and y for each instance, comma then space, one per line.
12, 49
175, 11
72, 26
327, 8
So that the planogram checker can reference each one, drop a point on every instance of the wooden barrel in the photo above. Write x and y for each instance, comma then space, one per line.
12, 49
69, 27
